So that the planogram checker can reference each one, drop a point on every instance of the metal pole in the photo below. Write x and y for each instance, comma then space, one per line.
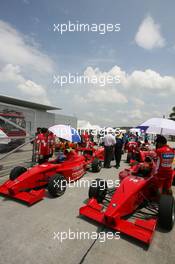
14, 150
161, 131
12, 123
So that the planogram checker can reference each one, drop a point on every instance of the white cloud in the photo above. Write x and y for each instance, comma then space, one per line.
31, 88
84, 124
151, 80
129, 87
106, 95
136, 80
135, 114
139, 96
138, 102
149, 35
21, 59
11, 75
16, 49
117, 71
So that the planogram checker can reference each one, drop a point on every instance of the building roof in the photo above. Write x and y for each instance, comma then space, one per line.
23, 103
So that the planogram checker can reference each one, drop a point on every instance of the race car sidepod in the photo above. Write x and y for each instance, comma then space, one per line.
123, 208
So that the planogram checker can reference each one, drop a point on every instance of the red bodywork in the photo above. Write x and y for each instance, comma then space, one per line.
24, 187
132, 150
139, 153
125, 201
91, 153
144, 153
131, 146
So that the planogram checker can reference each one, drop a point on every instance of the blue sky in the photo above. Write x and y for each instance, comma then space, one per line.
142, 53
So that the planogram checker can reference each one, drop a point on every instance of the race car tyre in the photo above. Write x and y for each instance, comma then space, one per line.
16, 172
166, 211
98, 190
4, 148
57, 185
96, 165
173, 183
129, 157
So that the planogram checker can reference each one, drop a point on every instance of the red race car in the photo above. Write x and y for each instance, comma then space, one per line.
138, 152
131, 148
29, 185
93, 155
134, 208
142, 154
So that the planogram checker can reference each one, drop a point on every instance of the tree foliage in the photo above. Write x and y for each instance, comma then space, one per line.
172, 115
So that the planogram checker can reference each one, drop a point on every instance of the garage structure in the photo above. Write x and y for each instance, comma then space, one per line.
29, 115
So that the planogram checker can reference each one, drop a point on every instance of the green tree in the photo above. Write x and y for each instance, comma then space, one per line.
172, 115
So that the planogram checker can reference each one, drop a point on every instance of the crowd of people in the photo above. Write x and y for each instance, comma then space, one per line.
46, 143
115, 146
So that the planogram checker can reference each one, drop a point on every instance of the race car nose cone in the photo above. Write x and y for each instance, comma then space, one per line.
109, 220
11, 191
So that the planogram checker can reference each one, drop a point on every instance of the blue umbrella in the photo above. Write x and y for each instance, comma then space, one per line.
66, 132
75, 135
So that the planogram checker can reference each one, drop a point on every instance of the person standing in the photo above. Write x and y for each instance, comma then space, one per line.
51, 143
109, 143
164, 165
35, 146
146, 138
91, 136
98, 139
42, 146
118, 149
136, 137
85, 139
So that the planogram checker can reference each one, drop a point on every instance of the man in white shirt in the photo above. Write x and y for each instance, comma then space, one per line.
109, 143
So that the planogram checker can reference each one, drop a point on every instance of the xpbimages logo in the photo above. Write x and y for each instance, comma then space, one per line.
101, 80
101, 28
85, 183
80, 235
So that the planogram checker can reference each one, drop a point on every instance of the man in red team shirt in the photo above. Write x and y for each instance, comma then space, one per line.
51, 143
164, 165
42, 146
85, 139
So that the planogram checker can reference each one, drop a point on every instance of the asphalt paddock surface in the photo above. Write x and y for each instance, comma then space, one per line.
32, 234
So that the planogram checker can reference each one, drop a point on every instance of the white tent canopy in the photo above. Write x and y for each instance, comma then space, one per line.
134, 130
86, 125
3, 138
159, 126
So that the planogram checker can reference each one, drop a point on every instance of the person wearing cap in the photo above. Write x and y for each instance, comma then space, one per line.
109, 143
164, 164
118, 148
